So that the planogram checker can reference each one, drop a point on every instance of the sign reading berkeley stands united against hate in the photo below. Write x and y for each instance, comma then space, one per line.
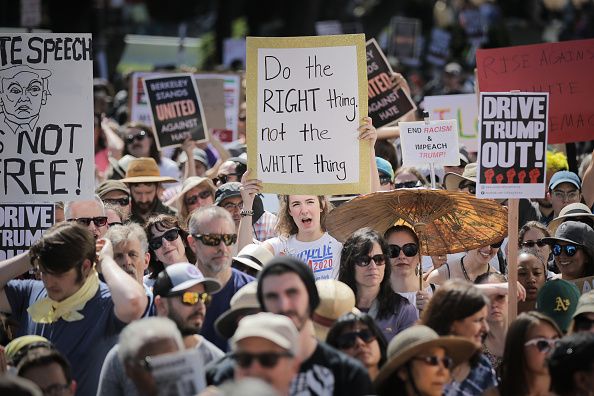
46, 117
512, 145
306, 98
177, 110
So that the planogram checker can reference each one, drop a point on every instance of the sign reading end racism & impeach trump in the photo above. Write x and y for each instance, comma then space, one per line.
512, 145
46, 117
306, 98
429, 142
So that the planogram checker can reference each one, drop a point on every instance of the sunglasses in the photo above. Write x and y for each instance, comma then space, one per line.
364, 261
139, 137
409, 250
266, 359
530, 244
170, 235
408, 184
99, 221
497, 245
118, 201
446, 361
385, 180
542, 344
570, 250
470, 186
348, 340
194, 198
582, 323
223, 178
193, 298
216, 239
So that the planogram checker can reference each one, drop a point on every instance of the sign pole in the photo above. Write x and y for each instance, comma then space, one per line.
512, 259
431, 164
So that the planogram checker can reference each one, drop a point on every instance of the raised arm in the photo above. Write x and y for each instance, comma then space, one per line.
249, 189
10, 269
368, 132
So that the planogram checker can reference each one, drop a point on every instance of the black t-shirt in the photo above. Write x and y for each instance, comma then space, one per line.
326, 372
330, 372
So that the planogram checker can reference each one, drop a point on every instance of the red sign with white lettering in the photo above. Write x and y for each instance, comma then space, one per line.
562, 69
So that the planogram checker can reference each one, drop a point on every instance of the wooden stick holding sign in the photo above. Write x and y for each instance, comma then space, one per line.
306, 97
512, 259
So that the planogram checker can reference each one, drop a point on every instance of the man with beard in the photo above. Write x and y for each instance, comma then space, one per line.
212, 239
144, 180
182, 294
130, 251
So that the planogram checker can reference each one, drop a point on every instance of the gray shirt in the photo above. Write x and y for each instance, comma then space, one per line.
114, 382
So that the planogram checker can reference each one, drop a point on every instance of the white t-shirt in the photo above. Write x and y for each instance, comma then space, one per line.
322, 255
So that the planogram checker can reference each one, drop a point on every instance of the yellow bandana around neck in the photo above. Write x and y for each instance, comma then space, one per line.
47, 310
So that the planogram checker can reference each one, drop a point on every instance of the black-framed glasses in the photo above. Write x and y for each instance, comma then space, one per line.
385, 180
469, 185
191, 200
223, 178
55, 389
124, 201
99, 221
570, 250
542, 344
348, 340
216, 239
497, 245
266, 359
408, 184
531, 243
446, 361
115, 223
139, 137
582, 323
364, 261
409, 250
170, 235
193, 298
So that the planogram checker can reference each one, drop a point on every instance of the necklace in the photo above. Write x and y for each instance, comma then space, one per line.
466, 273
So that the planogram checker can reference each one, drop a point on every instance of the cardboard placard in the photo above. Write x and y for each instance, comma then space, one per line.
386, 103
584, 284
306, 99
46, 117
22, 225
232, 94
178, 374
434, 142
563, 69
512, 145
464, 109
176, 108
405, 43
212, 97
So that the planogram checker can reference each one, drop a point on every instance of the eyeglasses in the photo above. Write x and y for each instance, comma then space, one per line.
567, 195
530, 244
570, 250
191, 200
223, 178
55, 390
229, 206
364, 261
118, 201
99, 221
582, 323
193, 298
446, 361
216, 239
408, 184
542, 344
409, 250
139, 137
348, 340
469, 185
497, 245
385, 180
267, 359
170, 235
115, 223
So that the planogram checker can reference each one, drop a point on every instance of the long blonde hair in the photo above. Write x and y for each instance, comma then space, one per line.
286, 226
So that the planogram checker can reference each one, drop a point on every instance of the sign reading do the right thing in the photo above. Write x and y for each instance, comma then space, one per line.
512, 145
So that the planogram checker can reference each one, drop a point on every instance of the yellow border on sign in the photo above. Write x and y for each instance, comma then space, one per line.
252, 46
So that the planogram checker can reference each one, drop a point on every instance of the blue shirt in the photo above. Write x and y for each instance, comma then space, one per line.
84, 342
481, 377
219, 304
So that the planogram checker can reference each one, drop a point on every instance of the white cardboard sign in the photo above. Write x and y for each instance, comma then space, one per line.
433, 142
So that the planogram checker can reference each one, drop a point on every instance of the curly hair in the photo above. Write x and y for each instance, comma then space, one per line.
286, 226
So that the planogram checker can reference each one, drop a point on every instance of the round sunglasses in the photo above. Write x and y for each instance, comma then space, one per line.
170, 235
409, 250
570, 250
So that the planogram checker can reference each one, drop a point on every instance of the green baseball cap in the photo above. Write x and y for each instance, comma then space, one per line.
558, 300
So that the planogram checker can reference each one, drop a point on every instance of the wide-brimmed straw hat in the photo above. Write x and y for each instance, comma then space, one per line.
190, 183
244, 302
336, 299
145, 170
570, 212
254, 256
452, 180
416, 340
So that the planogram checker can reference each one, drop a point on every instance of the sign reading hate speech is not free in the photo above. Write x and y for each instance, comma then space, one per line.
306, 100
